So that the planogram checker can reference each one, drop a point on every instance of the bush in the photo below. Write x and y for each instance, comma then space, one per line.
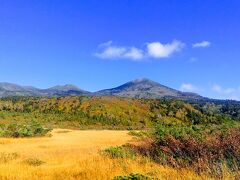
140, 134
206, 149
177, 131
133, 176
23, 130
119, 152
34, 162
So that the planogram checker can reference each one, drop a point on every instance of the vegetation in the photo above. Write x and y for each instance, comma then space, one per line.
112, 112
74, 155
23, 130
119, 152
200, 138
7, 157
33, 162
209, 149
133, 176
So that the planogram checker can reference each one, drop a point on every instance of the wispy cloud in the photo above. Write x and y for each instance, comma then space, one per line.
112, 52
218, 89
105, 44
226, 93
214, 90
134, 53
188, 87
155, 50
201, 44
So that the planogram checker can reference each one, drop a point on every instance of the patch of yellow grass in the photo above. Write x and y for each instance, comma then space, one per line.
74, 155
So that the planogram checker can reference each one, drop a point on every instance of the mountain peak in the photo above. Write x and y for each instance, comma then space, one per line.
65, 87
138, 88
144, 82
139, 80
10, 86
144, 88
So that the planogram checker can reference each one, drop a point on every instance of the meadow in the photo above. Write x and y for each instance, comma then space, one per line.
118, 138
75, 154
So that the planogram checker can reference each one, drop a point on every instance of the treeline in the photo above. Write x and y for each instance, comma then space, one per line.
228, 108
112, 111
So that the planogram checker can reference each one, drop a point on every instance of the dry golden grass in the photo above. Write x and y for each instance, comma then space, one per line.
72, 154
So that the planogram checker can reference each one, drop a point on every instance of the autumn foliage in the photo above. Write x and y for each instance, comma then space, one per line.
110, 112
206, 149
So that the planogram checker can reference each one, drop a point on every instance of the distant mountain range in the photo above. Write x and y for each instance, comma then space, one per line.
139, 88
8, 89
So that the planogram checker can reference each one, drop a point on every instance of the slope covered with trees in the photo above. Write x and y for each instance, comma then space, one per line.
112, 111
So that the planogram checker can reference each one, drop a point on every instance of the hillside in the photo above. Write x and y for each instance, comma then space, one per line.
148, 89
112, 112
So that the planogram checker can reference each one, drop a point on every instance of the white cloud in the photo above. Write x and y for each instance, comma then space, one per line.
134, 53
214, 91
226, 93
218, 89
187, 87
201, 44
109, 51
112, 52
159, 50
154, 50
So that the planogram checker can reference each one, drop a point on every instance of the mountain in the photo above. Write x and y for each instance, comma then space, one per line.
65, 90
145, 88
139, 88
9, 89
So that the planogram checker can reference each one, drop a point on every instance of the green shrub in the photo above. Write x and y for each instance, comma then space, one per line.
139, 134
119, 152
133, 176
23, 130
177, 131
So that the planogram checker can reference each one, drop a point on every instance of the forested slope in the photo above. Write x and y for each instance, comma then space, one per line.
110, 111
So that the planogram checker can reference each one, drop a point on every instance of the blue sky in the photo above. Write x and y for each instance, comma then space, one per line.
188, 45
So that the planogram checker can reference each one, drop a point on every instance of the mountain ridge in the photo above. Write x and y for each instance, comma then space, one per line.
138, 88
11, 89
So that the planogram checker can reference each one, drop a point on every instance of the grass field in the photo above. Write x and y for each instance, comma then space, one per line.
74, 154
